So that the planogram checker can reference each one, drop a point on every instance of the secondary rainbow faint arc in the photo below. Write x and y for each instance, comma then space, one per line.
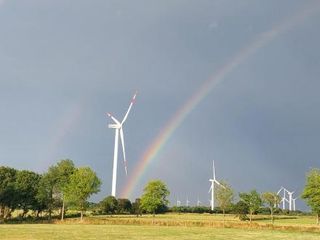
260, 41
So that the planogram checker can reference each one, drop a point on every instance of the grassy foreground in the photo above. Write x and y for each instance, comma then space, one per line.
114, 232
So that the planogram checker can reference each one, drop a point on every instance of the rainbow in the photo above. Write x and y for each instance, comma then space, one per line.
64, 126
260, 41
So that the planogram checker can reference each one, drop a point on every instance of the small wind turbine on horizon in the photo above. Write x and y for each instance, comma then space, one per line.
178, 202
117, 125
198, 202
294, 203
212, 188
187, 202
283, 199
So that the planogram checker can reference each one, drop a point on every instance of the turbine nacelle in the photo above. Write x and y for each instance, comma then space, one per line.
116, 126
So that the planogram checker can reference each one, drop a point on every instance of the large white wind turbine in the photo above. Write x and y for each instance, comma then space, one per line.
212, 188
117, 125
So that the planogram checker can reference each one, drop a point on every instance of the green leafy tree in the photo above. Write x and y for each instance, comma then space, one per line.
311, 192
7, 191
136, 207
253, 200
124, 205
53, 184
154, 198
109, 205
63, 171
26, 186
46, 191
272, 200
224, 196
83, 183
241, 210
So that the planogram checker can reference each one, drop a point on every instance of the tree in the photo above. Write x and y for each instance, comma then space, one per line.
124, 205
109, 205
154, 198
241, 210
311, 192
136, 207
26, 186
224, 196
272, 200
63, 172
52, 186
46, 191
83, 183
7, 191
253, 200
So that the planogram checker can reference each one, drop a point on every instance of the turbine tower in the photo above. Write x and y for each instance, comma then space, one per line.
117, 125
187, 202
178, 202
198, 202
290, 199
212, 188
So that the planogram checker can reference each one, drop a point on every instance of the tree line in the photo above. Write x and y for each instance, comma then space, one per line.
64, 186
63, 183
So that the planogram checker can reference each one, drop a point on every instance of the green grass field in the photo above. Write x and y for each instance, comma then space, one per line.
168, 226
114, 232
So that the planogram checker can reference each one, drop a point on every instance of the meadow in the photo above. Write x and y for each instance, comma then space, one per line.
166, 226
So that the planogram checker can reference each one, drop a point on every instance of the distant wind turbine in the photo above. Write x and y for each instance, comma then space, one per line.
290, 200
294, 203
117, 125
187, 202
178, 202
198, 202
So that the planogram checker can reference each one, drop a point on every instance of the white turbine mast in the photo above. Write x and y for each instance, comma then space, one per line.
187, 202
117, 125
283, 199
198, 202
294, 203
178, 202
212, 187
290, 199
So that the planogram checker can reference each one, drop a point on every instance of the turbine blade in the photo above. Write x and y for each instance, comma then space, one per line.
214, 171
210, 189
123, 150
219, 184
113, 118
130, 106
279, 190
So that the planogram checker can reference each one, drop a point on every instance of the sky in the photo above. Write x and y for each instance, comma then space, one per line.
65, 63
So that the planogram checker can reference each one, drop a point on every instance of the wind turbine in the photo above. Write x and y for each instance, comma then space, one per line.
117, 125
213, 182
187, 202
198, 202
283, 199
178, 202
290, 199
